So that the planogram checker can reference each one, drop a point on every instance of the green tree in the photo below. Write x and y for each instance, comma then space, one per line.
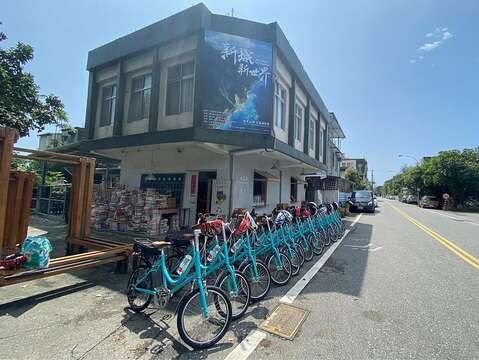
453, 171
356, 179
21, 105
54, 172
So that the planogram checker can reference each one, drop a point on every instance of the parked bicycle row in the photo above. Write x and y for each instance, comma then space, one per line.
241, 258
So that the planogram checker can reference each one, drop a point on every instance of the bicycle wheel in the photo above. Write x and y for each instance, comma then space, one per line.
260, 284
300, 250
327, 238
280, 269
195, 329
307, 249
295, 259
239, 299
138, 300
332, 234
317, 243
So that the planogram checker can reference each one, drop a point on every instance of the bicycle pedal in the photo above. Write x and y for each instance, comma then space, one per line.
162, 297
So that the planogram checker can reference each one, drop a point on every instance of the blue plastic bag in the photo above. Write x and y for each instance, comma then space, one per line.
37, 249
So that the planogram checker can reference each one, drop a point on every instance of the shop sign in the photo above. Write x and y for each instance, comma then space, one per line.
193, 185
237, 86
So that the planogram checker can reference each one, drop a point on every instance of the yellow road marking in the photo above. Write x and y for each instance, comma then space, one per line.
464, 255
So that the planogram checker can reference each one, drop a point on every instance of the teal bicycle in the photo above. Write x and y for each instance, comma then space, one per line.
204, 314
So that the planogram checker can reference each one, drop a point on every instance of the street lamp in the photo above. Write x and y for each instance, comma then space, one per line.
417, 164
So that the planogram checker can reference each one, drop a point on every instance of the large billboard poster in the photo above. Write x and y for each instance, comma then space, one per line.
237, 83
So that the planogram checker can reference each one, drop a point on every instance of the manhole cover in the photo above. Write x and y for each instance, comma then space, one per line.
285, 321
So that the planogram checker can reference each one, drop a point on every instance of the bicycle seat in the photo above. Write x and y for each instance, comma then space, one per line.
180, 240
160, 244
147, 247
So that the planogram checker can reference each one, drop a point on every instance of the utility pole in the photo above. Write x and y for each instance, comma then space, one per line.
372, 180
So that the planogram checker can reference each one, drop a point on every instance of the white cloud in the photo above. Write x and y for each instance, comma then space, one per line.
439, 35
435, 39
429, 46
447, 35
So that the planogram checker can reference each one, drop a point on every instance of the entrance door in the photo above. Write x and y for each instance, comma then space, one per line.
205, 185
310, 193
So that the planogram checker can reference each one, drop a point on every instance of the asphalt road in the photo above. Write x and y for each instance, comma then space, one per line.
393, 289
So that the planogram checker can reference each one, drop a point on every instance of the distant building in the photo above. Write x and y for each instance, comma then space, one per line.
360, 165
54, 140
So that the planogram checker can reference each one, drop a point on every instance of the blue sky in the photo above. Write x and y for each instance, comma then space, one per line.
396, 81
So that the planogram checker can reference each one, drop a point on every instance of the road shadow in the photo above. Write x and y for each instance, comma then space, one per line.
157, 327
18, 307
344, 272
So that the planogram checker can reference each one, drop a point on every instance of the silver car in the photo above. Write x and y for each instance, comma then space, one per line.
411, 199
429, 202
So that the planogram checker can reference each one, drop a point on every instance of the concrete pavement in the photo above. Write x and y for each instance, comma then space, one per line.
390, 291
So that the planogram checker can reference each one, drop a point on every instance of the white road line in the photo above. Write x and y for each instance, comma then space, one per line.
357, 246
244, 349
451, 217
301, 284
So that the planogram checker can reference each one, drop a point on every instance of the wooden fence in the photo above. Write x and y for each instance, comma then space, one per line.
15, 199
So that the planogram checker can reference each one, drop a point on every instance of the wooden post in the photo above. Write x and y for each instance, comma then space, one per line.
26, 204
89, 176
8, 137
18, 205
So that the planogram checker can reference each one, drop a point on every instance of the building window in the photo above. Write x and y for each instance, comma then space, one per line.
280, 106
321, 141
294, 190
298, 121
180, 88
312, 133
108, 104
260, 183
140, 98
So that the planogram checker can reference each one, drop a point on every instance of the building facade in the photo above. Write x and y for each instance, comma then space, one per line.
360, 165
213, 109
63, 137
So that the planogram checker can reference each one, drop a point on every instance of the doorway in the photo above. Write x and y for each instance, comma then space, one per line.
205, 187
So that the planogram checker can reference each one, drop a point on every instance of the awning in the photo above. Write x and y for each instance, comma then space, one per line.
267, 175
334, 128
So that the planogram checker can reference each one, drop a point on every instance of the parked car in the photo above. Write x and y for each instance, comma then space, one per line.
471, 203
362, 201
411, 199
429, 201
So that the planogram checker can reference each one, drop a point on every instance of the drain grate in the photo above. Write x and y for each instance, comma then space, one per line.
285, 321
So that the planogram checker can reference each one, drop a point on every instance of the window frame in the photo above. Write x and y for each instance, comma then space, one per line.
112, 99
312, 131
321, 142
278, 99
293, 186
182, 78
144, 112
257, 177
298, 121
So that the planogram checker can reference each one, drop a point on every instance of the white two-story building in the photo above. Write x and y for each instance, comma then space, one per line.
216, 110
